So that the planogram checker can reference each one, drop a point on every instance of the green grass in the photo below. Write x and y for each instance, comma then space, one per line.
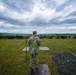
12, 58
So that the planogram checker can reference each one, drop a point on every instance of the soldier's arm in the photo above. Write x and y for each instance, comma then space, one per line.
38, 41
29, 41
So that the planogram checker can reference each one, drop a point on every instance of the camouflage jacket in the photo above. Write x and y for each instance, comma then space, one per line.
34, 43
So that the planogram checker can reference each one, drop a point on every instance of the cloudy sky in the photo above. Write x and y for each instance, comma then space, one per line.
45, 16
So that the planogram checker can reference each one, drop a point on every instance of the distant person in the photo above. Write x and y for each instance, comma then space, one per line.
34, 43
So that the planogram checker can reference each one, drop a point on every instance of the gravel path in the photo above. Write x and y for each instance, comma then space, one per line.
65, 62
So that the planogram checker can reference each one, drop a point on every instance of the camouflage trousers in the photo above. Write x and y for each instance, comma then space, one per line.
34, 59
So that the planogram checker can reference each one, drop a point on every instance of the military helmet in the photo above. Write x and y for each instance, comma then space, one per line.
34, 32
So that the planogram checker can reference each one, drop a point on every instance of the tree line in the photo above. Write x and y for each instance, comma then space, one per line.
41, 36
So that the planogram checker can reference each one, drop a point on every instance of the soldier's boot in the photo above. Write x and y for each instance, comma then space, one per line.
32, 71
32, 67
36, 67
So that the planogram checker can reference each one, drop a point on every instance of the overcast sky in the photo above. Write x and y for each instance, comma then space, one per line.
45, 16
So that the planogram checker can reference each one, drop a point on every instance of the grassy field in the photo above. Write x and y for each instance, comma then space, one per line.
12, 58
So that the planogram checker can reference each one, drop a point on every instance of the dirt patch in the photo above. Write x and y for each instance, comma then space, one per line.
65, 62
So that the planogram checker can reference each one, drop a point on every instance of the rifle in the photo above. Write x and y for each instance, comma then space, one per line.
26, 50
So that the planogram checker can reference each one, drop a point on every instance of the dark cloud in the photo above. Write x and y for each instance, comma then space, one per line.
10, 20
18, 5
67, 3
72, 14
38, 22
50, 4
69, 21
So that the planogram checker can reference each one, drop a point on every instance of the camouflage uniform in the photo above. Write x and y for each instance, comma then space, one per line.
34, 43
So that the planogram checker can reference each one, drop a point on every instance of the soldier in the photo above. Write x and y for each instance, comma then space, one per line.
34, 43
